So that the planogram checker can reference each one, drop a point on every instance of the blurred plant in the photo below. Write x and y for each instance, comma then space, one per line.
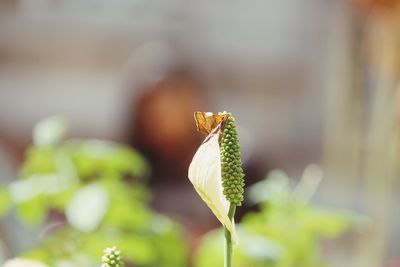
216, 172
361, 143
111, 258
87, 194
287, 230
19, 262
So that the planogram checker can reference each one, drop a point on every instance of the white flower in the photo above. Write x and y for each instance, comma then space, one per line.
19, 262
205, 175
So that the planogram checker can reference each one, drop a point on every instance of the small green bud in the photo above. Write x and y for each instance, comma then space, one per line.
111, 258
232, 172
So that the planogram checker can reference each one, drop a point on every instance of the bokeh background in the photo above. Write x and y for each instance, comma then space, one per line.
308, 82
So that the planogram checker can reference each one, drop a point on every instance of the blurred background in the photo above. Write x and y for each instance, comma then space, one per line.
96, 117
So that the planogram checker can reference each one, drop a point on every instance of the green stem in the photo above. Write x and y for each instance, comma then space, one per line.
228, 239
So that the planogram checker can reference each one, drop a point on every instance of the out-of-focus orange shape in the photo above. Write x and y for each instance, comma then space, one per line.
207, 121
377, 4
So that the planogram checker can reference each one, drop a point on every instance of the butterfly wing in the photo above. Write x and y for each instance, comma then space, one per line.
206, 122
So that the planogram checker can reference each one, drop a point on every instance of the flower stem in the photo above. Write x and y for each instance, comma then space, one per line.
228, 239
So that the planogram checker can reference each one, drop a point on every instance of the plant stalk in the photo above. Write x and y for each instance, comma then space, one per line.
228, 239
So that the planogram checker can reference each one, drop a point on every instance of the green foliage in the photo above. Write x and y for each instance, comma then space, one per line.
4, 200
87, 195
287, 230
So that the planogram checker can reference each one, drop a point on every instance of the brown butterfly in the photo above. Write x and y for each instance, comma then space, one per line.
206, 122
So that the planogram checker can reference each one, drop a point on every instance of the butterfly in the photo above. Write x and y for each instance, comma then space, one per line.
207, 122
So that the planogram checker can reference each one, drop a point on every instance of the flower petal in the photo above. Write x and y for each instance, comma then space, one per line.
205, 175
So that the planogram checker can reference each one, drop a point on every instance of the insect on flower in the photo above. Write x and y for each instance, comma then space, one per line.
215, 170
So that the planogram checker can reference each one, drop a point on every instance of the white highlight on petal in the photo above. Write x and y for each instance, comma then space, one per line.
205, 175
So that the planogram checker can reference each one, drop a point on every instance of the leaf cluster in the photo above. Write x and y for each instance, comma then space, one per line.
87, 194
286, 231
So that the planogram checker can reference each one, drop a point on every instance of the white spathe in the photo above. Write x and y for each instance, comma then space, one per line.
205, 175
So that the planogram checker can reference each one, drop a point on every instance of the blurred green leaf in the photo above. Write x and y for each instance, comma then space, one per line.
38, 161
285, 232
276, 187
94, 158
5, 202
100, 188
34, 211
328, 223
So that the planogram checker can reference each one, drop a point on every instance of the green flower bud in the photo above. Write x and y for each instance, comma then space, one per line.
232, 172
112, 258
